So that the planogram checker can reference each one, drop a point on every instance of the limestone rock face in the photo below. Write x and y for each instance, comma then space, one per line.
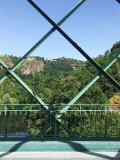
31, 66
6, 60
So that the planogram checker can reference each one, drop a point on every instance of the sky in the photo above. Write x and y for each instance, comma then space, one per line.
95, 27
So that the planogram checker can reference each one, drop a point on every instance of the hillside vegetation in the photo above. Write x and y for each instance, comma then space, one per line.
58, 81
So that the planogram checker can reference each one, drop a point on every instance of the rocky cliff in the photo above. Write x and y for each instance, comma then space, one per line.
30, 66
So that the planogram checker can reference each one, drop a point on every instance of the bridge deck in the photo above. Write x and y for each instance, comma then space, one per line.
62, 145
59, 149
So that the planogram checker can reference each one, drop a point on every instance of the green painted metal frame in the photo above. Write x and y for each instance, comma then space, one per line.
114, 59
10, 71
81, 110
102, 71
43, 39
74, 44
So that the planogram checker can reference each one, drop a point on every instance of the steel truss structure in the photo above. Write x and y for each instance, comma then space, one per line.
101, 71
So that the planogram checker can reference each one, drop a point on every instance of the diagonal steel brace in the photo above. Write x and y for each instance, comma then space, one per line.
80, 50
66, 108
74, 44
35, 96
22, 83
10, 71
43, 39
114, 59
26, 57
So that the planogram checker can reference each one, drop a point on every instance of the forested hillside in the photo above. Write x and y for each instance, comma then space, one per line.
58, 81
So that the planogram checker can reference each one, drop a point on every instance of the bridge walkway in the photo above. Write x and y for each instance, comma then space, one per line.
49, 148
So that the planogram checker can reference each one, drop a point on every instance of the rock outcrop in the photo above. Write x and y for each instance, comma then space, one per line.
31, 66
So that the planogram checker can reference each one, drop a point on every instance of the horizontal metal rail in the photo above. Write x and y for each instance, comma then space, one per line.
85, 120
60, 105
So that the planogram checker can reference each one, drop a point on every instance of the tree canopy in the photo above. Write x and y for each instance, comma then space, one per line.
62, 79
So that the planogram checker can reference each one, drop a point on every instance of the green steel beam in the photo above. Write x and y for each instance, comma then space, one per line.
23, 84
115, 58
58, 123
33, 95
74, 44
10, 71
49, 125
65, 127
32, 105
55, 27
118, 1
43, 39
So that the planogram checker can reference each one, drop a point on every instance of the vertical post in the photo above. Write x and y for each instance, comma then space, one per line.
80, 123
56, 123
5, 123
105, 121
116, 123
30, 131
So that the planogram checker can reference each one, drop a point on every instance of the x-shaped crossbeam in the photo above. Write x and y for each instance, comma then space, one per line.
10, 71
